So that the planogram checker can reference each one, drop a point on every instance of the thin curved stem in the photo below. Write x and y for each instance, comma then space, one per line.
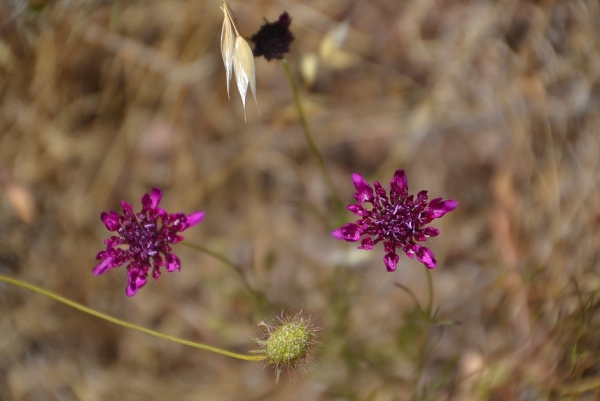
128, 325
430, 292
424, 351
413, 296
310, 139
260, 297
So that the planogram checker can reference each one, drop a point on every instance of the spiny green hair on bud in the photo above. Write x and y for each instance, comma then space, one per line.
289, 342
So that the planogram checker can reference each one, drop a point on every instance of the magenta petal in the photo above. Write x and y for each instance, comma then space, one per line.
103, 267
173, 263
391, 261
367, 244
131, 289
354, 208
364, 191
194, 218
438, 208
146, 201
135, 283
410, 250
113, 241
176, 239
425, 256
380, 191
358, 210
399, 183
337, 233
348, 232
421, 196
431, 232
126, 206
151, 201
156, 196
162, 213
110, 220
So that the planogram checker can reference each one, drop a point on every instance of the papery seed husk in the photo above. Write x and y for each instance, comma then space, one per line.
227, 44
243, 66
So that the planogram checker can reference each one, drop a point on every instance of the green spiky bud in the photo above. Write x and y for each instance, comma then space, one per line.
288, 343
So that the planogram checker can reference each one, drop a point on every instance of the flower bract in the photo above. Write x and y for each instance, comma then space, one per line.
143, 240
399, 220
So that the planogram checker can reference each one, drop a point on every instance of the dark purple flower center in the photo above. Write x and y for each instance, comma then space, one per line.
398, 219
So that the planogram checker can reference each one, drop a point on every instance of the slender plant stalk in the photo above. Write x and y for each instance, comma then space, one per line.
430, 293
426, 312
260, 297
224, 260
424, 349
310, 138
128, 325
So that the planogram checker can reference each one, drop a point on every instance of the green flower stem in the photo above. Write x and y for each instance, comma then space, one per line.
424, 349
128, 325
260, 297
310, 139
427, 311
430, 292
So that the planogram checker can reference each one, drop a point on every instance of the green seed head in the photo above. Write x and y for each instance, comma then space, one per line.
289, 343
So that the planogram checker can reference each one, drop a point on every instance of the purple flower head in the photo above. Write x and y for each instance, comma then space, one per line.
143, 240
273, 38
399, 220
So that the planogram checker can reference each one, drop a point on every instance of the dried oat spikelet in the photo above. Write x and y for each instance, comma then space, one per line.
227, 43
237, 56
289, 343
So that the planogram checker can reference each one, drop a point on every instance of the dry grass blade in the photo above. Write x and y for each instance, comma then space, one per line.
243, 66
227, 43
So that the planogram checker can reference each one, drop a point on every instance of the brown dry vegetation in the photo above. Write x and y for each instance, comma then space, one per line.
493, 103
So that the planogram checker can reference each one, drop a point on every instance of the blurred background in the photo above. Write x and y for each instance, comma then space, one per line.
492, 103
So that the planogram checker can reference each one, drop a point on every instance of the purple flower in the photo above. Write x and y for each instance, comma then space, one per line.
143, 240
399, 220
273, 38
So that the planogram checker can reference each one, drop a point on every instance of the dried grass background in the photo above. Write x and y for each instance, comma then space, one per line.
492, 103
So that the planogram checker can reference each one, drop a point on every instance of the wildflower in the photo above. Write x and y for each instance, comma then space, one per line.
399, 220
273, 38
143, 240
237, 56
289, 343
